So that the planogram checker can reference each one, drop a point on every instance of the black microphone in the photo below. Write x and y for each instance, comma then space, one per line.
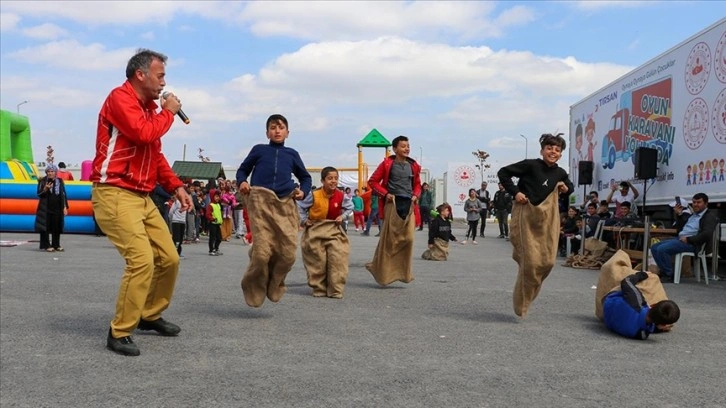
181, 113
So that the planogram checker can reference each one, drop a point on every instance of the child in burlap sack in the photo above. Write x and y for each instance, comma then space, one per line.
273, 214
535, 225
325, 245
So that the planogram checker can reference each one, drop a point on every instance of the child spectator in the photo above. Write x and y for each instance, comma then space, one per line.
535, 217
373, 216
325, 246
439, 236
272, 211
214, 218
358, 217
178, 218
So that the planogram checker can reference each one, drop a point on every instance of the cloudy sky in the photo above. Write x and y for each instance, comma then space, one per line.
453, 76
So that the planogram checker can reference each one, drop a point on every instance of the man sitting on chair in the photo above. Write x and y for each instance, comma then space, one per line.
697, 231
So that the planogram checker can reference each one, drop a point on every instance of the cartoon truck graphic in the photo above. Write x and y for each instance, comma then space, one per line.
642, 120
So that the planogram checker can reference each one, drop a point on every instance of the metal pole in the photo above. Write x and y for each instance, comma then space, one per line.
420, 158
526, 148
21, 103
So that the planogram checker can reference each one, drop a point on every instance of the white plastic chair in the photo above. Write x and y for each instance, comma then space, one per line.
699, 263
719, 235
599, 230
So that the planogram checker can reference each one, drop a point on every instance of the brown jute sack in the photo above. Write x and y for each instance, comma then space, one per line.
274, 223
392, 260
534, 233
617, 268
325, 251
439, 252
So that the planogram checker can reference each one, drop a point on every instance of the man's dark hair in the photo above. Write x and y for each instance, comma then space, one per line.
624, 184
697, 196
665, 312
604, 202
594, 193
275, 119
325, 171
62, 165
402, 138
549, 139
592, 205
142, 60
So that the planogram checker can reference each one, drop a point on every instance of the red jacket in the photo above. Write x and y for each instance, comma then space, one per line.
128, 143
379, 180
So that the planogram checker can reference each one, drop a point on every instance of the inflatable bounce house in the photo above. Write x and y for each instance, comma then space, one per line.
19, 183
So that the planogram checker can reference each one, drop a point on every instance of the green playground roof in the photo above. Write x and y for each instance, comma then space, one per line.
374, 138
198, 170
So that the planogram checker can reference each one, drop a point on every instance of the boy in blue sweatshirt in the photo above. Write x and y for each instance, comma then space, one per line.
627, 313
272, 211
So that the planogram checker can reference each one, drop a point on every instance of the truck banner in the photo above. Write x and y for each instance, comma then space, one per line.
676, 104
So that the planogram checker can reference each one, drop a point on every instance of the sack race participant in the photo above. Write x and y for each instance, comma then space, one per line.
617, 268
439, 236
397, 181
272, 211
324, 243
275, 224
535, 225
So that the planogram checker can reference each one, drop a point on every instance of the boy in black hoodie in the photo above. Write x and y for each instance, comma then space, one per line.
439, 235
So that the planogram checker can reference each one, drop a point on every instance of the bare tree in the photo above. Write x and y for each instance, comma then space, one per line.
481, 157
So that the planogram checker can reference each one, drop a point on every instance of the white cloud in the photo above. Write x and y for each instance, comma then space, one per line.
323, 20
507, 143
45, 31
8, 21
392, 70
90, 57
601, 4
149, 35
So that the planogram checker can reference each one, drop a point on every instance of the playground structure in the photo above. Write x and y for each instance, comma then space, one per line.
374, 138
19, 183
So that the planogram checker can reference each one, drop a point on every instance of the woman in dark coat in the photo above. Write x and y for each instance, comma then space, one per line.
52, 207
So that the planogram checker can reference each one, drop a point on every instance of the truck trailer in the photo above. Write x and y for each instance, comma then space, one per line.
675, 104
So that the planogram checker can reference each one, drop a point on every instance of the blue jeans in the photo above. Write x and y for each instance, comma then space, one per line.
663, 250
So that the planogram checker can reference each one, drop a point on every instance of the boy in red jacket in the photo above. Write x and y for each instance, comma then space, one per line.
397, 182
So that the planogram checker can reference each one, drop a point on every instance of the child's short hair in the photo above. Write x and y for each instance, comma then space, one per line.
440, 208
397, 139
325, 171
276, 118
604, 202
592, 205
549, 139
625, 204
665, 312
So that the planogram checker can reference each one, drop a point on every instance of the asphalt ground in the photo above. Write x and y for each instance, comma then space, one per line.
448, 339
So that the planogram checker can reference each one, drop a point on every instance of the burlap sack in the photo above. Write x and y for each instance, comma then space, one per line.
325, 251
595, 247
393, 258
534, 233
275, 224
439, 252
614, 271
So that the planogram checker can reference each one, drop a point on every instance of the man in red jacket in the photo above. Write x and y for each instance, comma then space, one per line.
126, 168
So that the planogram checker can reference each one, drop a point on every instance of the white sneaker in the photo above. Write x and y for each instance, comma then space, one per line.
474, 242
463, 242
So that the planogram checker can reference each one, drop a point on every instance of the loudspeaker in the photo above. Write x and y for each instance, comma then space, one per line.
646, 162
584, 173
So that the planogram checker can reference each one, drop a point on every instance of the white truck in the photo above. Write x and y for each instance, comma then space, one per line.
675, 103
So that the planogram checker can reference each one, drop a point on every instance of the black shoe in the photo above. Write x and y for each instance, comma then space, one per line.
420, 229
366, 233
666, 279
160, 325
124, 345
501, 236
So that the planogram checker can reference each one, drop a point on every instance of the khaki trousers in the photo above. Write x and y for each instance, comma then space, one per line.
134, 225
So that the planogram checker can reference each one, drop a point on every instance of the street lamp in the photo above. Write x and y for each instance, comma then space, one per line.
21, 103
526, 149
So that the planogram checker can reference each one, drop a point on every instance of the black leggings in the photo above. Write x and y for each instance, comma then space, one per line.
472, 229
215, 236
177, 234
